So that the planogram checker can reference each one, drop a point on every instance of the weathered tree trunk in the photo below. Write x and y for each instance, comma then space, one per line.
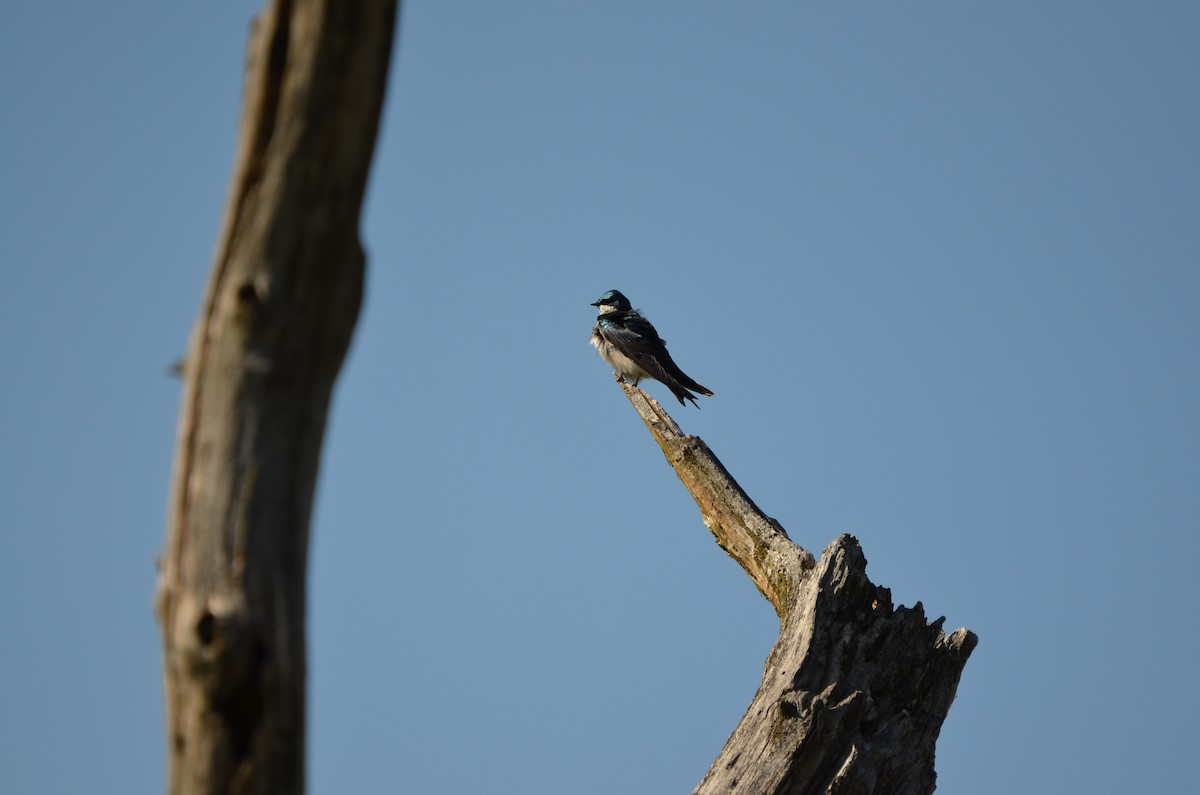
855, 690
277, 317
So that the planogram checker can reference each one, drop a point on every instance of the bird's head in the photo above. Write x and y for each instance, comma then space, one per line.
612, 301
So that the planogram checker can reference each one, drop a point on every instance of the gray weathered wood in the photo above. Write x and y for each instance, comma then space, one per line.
855, 689
279, 310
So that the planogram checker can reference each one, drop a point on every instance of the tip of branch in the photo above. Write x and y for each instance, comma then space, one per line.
660, 423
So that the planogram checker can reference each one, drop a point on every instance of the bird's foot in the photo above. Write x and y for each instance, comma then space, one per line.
622, 380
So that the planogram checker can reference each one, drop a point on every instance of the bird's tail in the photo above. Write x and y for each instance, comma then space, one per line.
681, 392
683, 386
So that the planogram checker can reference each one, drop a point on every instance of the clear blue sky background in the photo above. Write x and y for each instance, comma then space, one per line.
940, 263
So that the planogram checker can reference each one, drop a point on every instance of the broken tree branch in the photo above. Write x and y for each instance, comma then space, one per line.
855, 690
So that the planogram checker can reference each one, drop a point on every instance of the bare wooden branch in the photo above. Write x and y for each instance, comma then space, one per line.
277, 317
855, 690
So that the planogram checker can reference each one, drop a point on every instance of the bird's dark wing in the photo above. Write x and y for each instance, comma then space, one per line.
632, 334
637, 338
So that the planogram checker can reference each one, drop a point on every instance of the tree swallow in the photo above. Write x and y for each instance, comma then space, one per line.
629, 343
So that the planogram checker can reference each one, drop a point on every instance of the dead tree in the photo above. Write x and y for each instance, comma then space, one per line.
279, 310
855, 689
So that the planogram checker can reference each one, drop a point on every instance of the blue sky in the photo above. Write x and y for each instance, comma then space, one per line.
940, 263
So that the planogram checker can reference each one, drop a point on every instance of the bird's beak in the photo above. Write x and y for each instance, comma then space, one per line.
594, 303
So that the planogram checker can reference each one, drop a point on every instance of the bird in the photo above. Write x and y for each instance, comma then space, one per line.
629, 342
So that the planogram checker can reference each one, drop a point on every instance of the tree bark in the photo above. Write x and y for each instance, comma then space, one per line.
855, 690
279, 310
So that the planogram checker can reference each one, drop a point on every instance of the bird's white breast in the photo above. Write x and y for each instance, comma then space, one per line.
617, 360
